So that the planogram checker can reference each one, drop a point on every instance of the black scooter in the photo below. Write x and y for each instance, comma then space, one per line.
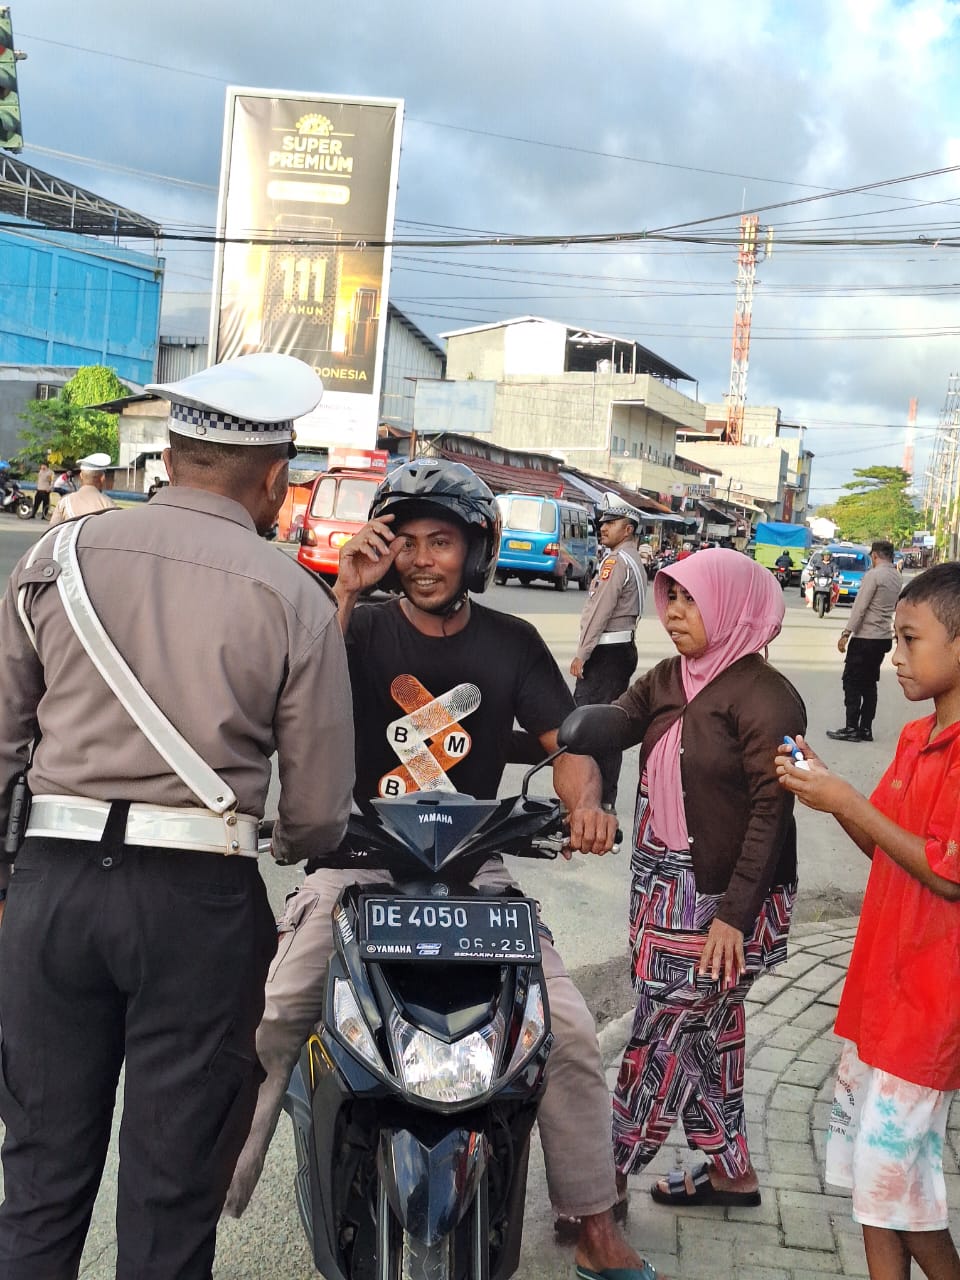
14, 501
412, 1105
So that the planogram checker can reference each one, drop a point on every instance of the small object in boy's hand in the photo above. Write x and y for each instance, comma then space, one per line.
796, 754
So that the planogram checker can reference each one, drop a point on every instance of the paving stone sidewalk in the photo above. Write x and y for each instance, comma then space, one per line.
802, 1230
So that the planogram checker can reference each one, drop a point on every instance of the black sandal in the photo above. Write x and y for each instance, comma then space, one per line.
704, 1192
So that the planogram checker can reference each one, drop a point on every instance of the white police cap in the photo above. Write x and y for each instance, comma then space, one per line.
253, 399
613, 507
94, 462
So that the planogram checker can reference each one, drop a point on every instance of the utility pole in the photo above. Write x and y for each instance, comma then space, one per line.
941, 495
751, 252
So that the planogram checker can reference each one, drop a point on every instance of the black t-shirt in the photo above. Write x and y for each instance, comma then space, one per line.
437, 712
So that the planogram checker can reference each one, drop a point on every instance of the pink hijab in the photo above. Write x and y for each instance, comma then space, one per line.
742, 607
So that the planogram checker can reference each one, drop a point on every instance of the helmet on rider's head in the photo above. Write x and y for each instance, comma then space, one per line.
826, 557
437, 486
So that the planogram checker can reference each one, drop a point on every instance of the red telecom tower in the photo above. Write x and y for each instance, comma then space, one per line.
751, 252
909, 438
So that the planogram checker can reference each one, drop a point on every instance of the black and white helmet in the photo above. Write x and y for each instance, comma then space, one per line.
452, 488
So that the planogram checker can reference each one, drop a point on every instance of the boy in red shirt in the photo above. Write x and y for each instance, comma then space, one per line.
900, 1013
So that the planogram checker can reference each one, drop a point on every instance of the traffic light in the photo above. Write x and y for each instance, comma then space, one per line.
11, 128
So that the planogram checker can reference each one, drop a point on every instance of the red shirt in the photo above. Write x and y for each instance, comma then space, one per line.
901, 999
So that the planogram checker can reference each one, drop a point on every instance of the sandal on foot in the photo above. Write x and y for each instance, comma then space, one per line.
704, 1192
644, 1272
567, 1226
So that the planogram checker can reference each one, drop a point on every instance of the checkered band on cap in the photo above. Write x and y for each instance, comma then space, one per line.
203, 420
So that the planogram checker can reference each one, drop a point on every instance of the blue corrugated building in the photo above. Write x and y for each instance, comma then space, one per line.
68, 300
72, 292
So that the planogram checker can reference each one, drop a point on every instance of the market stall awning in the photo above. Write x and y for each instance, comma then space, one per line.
716, 514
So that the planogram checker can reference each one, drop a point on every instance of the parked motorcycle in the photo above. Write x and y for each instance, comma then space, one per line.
412, 1105
823, 592
14, 501
662, 561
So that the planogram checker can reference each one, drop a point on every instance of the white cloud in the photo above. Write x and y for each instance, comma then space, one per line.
768, 94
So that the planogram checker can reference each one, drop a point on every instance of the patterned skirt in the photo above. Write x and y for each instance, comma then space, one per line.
685, 1056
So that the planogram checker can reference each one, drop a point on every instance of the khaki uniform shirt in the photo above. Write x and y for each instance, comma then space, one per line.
616, 598
44, 480
87, 501
871, 617
230, 637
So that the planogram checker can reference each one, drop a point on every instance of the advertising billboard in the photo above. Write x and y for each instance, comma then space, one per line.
307, 191
463, 407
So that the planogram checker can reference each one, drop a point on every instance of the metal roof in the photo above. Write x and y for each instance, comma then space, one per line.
647, 361
26, 192
502, 477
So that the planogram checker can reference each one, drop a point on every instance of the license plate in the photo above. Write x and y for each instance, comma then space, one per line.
502, 930
844, 591
519, 546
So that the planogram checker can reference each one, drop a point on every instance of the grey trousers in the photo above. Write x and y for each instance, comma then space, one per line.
575, 1112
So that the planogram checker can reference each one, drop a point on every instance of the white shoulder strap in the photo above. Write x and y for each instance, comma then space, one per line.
206, 785
640, 578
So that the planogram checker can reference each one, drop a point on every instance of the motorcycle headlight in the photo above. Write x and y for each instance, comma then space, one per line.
352, 1025
439, 1072
531, 1029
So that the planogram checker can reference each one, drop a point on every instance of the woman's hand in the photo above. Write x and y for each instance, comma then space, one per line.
722, 954
815, 787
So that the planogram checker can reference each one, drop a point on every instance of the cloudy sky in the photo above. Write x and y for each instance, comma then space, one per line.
547, 117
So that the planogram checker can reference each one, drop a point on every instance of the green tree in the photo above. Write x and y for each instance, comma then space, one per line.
877, 506
65, 429
94, 384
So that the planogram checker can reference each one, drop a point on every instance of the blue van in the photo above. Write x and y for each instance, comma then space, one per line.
853, 562
546, 538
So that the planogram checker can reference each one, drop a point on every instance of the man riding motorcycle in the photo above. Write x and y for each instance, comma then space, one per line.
822, 565
434, 533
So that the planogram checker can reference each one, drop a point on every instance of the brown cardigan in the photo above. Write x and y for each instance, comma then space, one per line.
743, 837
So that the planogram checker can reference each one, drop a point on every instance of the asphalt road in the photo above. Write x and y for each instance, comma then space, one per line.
585, 901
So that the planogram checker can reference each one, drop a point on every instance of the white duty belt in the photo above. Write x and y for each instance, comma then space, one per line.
616, 637
216, 827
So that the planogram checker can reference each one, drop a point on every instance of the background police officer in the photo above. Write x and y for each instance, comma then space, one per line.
606, 656
89, 499
136, 931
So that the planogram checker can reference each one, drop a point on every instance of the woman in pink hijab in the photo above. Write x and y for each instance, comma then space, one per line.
714, 870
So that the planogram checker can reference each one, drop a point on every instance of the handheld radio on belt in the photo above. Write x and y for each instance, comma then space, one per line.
19, 812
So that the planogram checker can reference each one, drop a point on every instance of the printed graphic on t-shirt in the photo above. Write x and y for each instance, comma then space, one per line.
429, 739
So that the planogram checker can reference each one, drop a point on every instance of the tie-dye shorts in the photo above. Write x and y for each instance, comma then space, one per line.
885, 1141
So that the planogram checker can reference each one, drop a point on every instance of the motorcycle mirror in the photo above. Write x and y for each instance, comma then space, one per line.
594, 730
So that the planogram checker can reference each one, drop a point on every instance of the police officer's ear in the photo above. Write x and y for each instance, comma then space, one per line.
167, 457
277, 479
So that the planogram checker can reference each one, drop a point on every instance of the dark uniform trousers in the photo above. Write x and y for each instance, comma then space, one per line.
861, 675
156, 958
606, 674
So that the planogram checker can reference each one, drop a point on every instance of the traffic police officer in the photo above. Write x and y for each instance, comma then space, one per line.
606, 655
89, 498
137, 928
